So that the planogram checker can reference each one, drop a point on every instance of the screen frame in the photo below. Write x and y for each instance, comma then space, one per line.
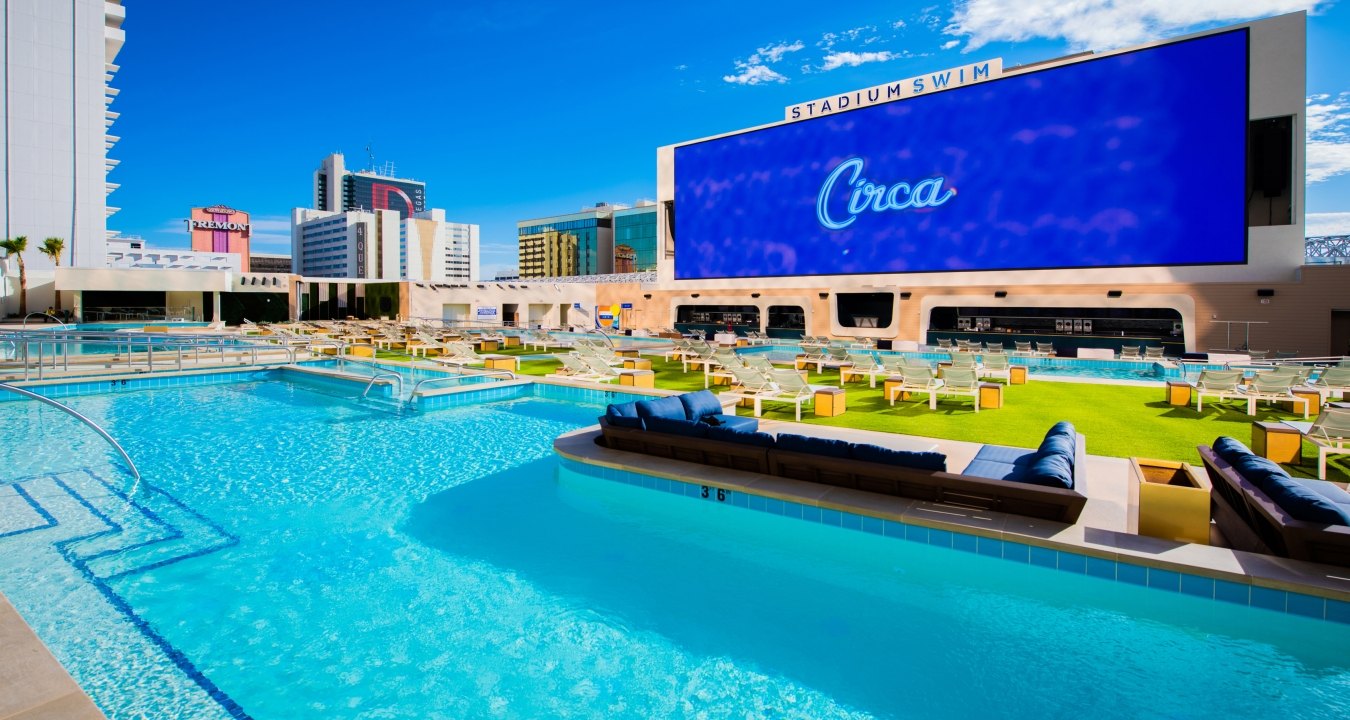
1245, 30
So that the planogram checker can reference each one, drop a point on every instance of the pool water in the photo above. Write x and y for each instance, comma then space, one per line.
293, 554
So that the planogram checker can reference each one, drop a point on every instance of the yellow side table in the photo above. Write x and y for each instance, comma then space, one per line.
1017, 375
638, 378
637, 364
1178, 393
1169, 500
991, 396
1277, 441
830, 402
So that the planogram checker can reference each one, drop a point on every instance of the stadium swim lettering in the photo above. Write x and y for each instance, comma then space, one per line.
876, 198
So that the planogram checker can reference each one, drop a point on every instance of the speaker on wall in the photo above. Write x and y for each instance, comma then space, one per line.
1265, 292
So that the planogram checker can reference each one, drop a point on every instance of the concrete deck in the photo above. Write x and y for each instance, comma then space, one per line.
1102, 530
33, 685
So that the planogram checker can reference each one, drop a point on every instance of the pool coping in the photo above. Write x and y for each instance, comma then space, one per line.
35, 683
1218, 564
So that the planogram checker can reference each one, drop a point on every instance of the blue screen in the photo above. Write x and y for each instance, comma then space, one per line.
1128, 160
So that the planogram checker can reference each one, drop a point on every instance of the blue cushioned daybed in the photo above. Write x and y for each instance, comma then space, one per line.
1260, 508
1041, 483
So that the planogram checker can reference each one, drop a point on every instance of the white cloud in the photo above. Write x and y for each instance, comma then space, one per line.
1328, 125
1331, 223
898, 24
682, 67
754, 71
773, 53
853, 59
830, 39
1102, 24
950, 44
754, 75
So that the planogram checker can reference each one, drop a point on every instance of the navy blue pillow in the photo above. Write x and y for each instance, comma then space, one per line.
1300, 502
1061, 439
814, 445
886, 456
623, 415
729, 434
699, 404
1230, 450
678, 426
1050, 469
666, 407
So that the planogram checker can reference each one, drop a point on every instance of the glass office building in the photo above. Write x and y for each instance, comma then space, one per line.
635, 239
566, 245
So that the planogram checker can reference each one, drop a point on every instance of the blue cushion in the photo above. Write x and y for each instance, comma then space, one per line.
698, 404
1000, 454
1061, 439
742, 424
814, 445
727, 433
667, 407
886, 456
1050, 469
1294, 498
677, 426
1328, 490
991, 470
1230, 449
623, 415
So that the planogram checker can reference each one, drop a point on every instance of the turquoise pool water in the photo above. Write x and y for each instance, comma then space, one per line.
294, 554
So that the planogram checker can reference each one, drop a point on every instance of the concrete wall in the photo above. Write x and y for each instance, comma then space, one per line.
427, 301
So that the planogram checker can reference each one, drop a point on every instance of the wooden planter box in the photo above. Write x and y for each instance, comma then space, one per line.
1169, 500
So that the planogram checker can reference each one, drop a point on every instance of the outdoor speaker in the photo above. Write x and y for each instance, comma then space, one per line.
1000, 293
906, 295
1087, 326
1265, 292
1113, 293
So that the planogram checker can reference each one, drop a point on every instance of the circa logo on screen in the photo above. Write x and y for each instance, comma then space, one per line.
868, 196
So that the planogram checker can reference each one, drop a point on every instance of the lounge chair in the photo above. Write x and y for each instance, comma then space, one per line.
1221, 384
790, 388
1132, 352
961, 381
1022, 347
1274, 386
944, 343
573, 367
917, 379
1045, 349
963, 360
757, 362
1332, 380
1330, 432
815, 355
1153, 353
860, 364
749, 385
996, 366
601, 371
720, 366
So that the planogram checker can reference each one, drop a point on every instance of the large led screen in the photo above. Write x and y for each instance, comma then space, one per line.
1127, 160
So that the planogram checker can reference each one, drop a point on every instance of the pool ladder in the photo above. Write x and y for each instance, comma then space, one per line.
131, 466
379, 375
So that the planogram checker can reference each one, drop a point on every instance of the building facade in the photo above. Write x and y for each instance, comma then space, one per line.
220, 229
382, 245
132, 253
635, 238
580, 243
338, 189
59, 63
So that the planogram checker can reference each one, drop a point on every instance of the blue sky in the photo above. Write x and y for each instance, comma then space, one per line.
517, 110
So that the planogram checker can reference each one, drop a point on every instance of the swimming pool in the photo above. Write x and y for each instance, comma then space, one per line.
294, 555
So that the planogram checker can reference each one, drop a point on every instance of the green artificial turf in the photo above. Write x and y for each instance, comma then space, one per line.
1118, 420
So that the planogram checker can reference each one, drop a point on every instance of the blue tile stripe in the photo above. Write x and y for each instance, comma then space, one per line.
1158, 579
100, 386
48, 520
68, 548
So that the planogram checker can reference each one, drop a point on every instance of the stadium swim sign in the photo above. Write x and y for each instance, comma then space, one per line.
898, 90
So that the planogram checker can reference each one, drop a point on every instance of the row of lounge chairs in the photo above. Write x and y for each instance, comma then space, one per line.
1275, 385
1140, 352
1027, 349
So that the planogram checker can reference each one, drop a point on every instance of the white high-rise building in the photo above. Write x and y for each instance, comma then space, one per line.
56, 127
381, 245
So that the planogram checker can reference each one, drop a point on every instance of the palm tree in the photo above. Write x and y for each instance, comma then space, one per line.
16, 247
52, 247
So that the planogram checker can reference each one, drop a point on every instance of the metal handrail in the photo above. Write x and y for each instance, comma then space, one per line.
377, 376
460, 374
41, 314
59, 340
75, 414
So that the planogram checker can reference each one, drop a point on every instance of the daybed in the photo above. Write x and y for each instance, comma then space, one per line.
1259, 508
1043, 483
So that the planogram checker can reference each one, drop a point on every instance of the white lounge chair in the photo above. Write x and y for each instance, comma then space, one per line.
917, 379
791, 388
1330, 432
1221, 384
1274, 386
